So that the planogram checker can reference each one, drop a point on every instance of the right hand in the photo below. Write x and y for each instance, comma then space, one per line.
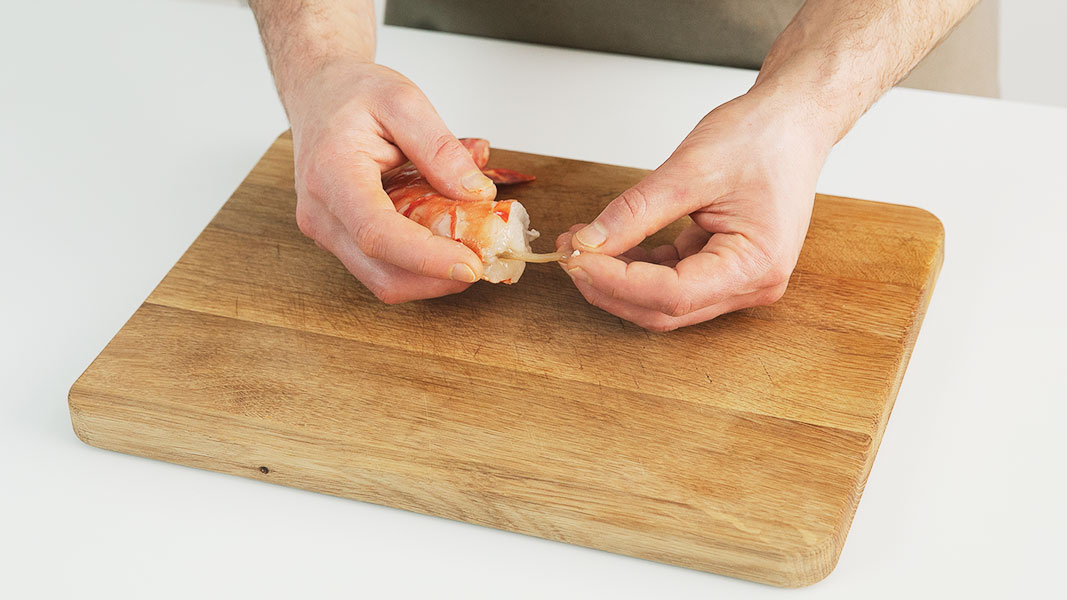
351, 122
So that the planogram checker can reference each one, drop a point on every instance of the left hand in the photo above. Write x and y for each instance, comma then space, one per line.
746, 176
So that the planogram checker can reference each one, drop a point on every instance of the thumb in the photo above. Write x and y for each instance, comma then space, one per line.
637, 213
446, 163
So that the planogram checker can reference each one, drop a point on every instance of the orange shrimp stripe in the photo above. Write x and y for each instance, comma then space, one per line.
414, 198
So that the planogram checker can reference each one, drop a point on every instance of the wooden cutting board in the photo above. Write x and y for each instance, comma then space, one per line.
739, 446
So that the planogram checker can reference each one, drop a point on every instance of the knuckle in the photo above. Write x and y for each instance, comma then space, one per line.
772, 295
595, 300
769, 267
317, 173
392, 298
633, 203
405, 100
778, 273
425, 266
678, 306
310, 180
445, 149
660, 325
613, 291
370, 238
689, 163
388, 295
305, 222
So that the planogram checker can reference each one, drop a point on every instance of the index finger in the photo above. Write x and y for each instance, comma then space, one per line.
358, 200
443, 160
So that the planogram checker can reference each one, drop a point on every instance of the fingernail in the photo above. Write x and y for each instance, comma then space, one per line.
475, 182
592, 236
579, 274
461, 272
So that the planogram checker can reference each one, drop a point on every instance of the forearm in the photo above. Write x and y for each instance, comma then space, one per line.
303, 36
837, 57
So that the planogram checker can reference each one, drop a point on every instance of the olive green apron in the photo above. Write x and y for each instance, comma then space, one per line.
734, 33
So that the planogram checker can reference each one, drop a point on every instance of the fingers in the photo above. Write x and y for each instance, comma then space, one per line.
655, 287
688, 243
650, 318
357, 199
638, 212
691, 240
698, 281
423, 137
660, 322
390, 237
389, 283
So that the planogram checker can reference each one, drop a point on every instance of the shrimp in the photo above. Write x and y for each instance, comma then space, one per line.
497, 231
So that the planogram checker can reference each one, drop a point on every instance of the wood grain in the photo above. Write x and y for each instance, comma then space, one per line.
739, 446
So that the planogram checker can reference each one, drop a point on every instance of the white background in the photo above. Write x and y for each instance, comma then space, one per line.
1033, 50
124, 125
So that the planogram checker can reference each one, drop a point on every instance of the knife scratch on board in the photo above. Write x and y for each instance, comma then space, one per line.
766, 372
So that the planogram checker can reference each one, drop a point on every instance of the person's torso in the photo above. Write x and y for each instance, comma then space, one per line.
734, 33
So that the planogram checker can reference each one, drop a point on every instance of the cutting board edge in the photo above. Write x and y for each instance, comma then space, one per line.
913, 329
104, 431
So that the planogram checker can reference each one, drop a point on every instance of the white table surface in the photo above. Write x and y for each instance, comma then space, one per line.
125, 125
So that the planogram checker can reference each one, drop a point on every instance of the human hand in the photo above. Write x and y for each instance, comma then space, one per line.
746, 176
352, 120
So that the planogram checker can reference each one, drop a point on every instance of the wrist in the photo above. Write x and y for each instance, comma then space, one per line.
310, 81
794, 118
824, 93
302, 39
